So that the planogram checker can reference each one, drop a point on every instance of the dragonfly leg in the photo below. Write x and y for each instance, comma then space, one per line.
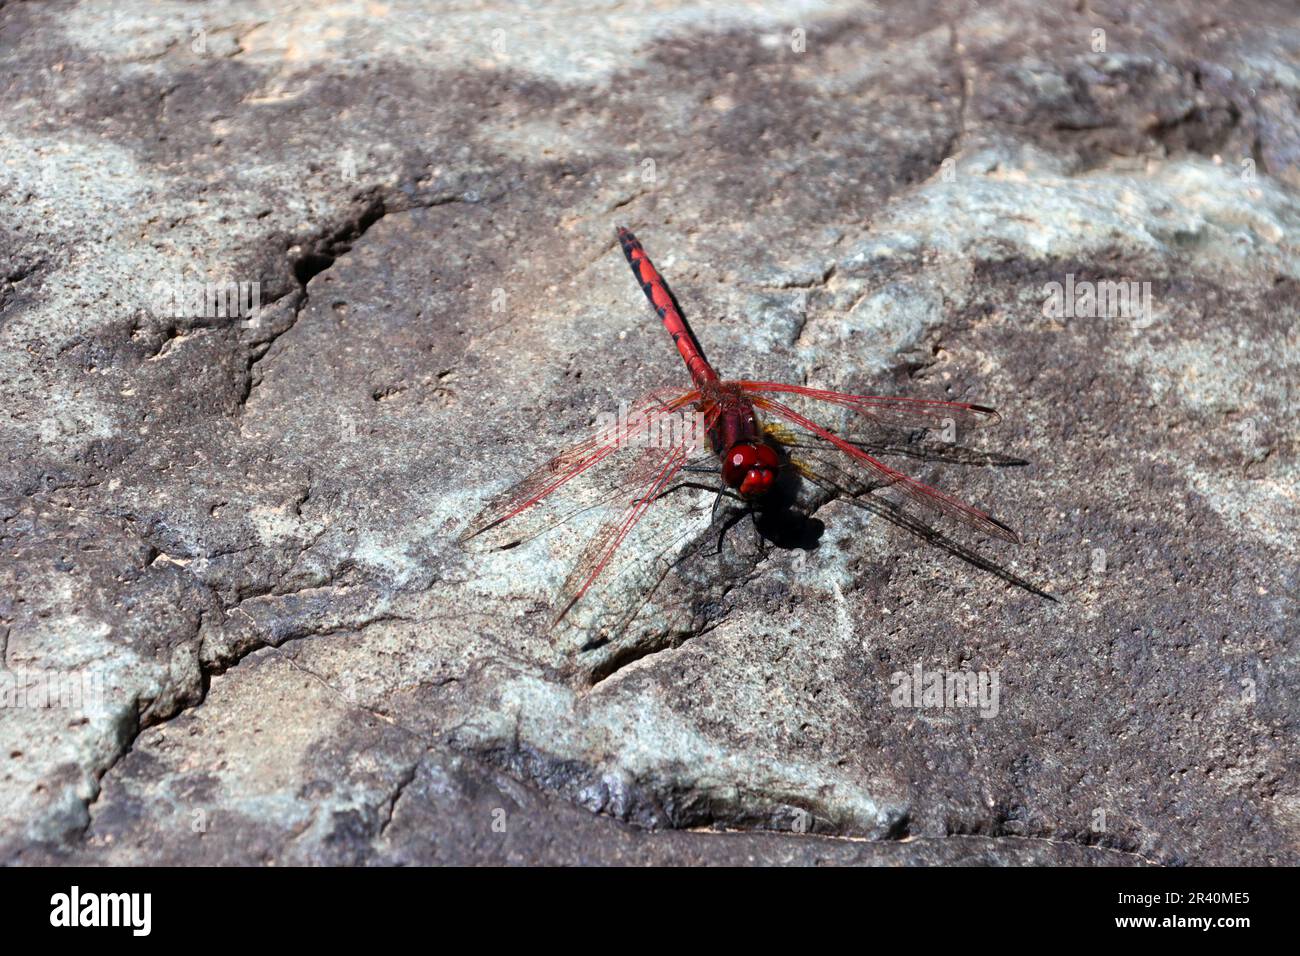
698, 486
731, 520
719, 494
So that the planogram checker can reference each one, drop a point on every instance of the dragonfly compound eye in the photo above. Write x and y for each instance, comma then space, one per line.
750, 468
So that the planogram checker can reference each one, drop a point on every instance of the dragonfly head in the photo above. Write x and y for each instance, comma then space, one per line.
751, 468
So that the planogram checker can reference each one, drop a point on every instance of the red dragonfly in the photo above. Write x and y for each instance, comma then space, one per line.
730, 417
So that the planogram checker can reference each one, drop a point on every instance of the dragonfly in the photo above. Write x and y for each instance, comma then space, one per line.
748, 426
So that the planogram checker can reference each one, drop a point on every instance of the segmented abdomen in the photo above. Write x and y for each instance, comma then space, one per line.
652, 284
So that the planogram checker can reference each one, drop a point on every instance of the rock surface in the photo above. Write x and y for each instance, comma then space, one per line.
236, 536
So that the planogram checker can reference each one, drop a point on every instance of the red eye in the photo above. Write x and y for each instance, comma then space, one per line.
757, 482
739, 460
750, 468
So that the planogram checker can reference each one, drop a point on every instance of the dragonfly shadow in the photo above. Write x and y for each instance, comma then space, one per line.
785, 520
780, 520
842, 485
895, 515
920, 448
789, 529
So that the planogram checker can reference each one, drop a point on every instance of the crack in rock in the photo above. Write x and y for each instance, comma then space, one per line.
310, 257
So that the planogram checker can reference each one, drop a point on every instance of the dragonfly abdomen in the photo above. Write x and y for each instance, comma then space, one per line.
652, 284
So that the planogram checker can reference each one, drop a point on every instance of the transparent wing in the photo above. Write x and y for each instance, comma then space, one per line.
650, 477
899, 412
918, 492
646, 481
597, 456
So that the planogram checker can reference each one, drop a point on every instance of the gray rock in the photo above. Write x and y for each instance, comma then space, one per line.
238, 626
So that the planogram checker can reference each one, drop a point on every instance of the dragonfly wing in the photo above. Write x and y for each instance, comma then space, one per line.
651, 476
918, 492
899, 412
643, 420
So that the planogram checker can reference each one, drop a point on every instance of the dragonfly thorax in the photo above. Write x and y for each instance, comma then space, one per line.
751, 468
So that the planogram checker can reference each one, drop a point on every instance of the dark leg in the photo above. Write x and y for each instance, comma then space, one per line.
730, 523
698, 487
720, 493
